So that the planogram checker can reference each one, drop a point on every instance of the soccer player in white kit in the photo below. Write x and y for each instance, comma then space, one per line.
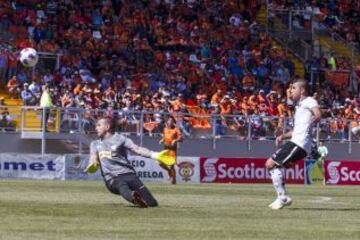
307, 113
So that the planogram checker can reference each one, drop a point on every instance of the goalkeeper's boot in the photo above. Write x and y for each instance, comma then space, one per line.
137, 200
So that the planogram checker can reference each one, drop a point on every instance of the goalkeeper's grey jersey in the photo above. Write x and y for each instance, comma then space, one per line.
113, 155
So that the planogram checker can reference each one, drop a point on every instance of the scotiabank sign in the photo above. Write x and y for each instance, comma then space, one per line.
244, 170
342, 173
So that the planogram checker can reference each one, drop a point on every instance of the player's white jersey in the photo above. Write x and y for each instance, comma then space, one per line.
301, 135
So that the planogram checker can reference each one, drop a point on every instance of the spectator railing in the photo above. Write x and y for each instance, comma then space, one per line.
196, 126
32, 119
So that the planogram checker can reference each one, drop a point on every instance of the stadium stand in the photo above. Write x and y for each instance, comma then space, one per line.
170, 58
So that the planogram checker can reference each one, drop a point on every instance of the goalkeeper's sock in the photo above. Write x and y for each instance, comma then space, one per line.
278, 182
172, 174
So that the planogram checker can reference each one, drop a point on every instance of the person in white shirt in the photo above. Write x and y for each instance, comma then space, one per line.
306, 114
323, 151
35, 90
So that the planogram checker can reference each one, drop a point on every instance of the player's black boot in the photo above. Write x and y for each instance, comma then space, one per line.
137, 200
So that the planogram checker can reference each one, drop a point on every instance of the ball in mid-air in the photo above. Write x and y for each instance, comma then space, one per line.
29, 57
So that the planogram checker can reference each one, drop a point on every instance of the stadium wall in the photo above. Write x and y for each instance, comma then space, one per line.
12, 143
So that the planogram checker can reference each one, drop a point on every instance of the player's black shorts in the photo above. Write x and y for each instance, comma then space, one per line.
288, 153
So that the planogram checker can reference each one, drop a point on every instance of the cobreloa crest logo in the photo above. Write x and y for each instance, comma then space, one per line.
186, 170
244, 170
342, 172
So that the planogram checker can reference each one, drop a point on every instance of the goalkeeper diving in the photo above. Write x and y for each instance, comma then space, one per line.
110, 154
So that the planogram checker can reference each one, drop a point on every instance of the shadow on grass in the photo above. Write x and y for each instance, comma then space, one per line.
325, 209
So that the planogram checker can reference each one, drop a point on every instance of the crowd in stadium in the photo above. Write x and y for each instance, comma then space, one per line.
159, 56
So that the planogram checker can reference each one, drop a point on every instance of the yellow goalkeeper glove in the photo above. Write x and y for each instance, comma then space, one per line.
164, 157
92, 167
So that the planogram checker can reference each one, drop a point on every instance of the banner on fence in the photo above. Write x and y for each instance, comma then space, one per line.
342, 172
32, 166
147, 169
188, 170
75, 165
244, 170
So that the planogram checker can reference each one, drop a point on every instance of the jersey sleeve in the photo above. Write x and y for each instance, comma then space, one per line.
93, 150
130, 145
311, 103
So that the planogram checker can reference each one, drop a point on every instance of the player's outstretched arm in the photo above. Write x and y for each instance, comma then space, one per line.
93, 164
163, 156
129, 144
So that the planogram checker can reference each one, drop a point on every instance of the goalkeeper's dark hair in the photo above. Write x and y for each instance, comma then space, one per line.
111, 122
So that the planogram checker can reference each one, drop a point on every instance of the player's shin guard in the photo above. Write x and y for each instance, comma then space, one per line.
278, 182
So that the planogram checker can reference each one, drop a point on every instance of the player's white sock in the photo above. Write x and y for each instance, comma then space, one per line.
278, 182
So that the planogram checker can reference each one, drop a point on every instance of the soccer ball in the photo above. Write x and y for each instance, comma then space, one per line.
29, 57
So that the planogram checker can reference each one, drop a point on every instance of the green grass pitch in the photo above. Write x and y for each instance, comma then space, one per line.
85, 210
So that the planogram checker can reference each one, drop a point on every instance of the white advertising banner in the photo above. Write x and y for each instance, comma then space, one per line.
75, 165
147, 169
32, 166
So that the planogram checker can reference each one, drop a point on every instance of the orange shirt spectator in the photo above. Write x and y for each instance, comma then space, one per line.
171, 136
333, 126
253, 101
226, 106
12, 84
77, 89
216, 98
178, 103
66, 100
86, 88
245, 106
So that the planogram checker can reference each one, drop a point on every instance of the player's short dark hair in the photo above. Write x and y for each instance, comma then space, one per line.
111, 122
303, 84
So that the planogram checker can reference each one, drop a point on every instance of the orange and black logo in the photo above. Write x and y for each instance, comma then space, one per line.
186, 170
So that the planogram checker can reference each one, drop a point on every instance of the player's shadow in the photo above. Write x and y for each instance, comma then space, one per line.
324, 209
